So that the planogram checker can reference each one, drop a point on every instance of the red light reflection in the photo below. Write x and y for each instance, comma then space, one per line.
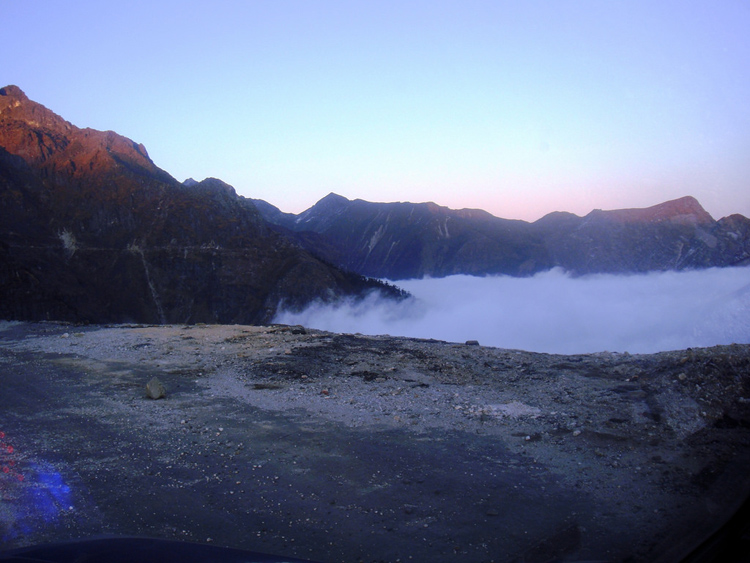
7, 465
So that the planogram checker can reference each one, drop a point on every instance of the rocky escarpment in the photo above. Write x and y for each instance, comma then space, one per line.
92, 230
406, 240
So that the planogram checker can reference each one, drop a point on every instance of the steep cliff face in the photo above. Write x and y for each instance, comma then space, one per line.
406, 240
92, 230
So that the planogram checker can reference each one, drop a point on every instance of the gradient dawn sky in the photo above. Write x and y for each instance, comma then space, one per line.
520, 108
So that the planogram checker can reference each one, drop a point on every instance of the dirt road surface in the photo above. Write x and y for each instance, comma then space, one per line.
351, 448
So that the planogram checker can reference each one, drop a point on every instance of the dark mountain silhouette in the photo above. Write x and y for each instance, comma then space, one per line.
407, 240
674, 235
92, 230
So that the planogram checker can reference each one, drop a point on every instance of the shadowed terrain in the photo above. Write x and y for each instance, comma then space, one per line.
92, 230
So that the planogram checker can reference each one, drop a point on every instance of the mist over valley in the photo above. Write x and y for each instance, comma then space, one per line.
555, 312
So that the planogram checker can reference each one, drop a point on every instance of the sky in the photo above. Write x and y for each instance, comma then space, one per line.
519, 108
554, 312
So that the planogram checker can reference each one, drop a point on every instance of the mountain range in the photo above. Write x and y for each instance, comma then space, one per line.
91, 230
408, 240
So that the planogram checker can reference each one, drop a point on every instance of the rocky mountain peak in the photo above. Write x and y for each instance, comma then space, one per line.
11, 95
41, 137
684, 210
330, 206
17, 108
331, 201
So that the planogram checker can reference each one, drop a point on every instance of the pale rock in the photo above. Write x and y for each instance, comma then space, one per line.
155, 389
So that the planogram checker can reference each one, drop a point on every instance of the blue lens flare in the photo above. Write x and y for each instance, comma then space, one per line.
33, 494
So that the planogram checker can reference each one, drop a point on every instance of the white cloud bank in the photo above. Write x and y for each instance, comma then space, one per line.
554, 312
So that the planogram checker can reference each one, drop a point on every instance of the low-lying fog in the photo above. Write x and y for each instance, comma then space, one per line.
554, 312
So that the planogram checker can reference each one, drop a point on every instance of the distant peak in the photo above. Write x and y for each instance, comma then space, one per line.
685, 210
682, 210
686, 204
333, 197
331, 201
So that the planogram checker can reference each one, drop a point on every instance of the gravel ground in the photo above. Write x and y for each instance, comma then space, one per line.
337, 447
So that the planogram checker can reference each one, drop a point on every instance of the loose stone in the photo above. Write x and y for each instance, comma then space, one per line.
155, 389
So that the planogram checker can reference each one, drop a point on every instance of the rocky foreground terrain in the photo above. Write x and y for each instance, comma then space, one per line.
335, 447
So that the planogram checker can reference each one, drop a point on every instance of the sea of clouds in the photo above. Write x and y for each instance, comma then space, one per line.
556, 312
